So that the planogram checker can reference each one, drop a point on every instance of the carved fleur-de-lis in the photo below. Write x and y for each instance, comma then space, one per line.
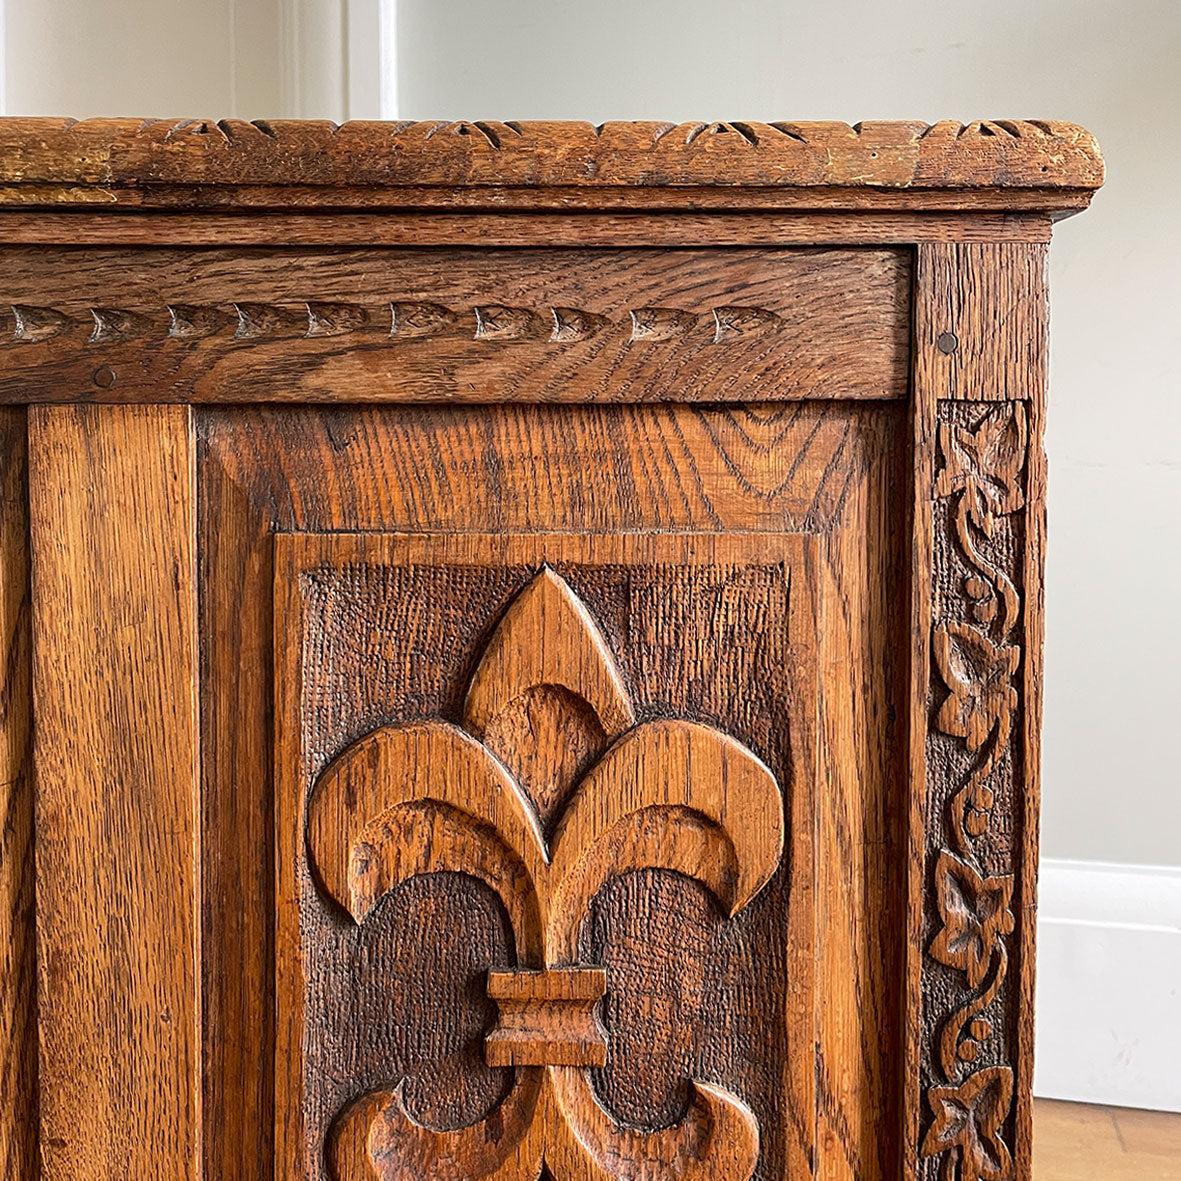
547, 791
969, 1119
975, 914
984, 465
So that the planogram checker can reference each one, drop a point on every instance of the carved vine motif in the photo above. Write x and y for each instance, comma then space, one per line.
396, 321
977, 660
549, 790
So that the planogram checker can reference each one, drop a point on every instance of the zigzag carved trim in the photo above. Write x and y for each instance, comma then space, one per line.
399, 320
113, 153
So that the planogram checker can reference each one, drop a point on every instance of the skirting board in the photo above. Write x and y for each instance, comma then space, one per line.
1109, 984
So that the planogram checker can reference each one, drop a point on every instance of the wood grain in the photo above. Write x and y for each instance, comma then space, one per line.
625, 757
769, 468
859, 834
980, 330
102, 160
114, 616
1079, 1141
476, 326
1049, 203
751, 468
19, 1155
623, 227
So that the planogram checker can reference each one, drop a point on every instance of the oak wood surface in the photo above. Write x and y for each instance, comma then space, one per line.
1052, 203
476, 326
765, 468
19, 1155
624, 227
97, 160
738, 468
975, 704
547, 1017
980, 330
115, 690
670, 793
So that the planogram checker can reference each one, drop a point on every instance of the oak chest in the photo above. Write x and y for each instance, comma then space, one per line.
522, 647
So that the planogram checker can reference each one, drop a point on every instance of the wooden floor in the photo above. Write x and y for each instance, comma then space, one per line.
1077, 1142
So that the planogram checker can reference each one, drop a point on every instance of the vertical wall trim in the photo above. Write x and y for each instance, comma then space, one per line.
312, 71
334, 58
388, 40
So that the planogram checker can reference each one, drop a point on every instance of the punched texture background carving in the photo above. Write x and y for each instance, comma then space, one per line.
387, 643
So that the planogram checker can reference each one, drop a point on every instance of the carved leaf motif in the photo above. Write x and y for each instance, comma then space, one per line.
498, 322
985, 464
36, 324
735, 321
978, 673
190, 321
575, 324
112, 324
419, 319
660, 323
334, 319
969, 1119
975, 914
363, 796
658, 765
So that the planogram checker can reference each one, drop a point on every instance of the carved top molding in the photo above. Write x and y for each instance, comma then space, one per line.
101, 160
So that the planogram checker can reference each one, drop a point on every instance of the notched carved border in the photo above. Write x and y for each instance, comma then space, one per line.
973, 782
398, 320
1005, 153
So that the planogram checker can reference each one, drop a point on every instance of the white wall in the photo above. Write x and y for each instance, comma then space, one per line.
1112, 788
316, 59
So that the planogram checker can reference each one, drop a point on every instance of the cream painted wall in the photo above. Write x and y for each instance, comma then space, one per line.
141, 57
1112, 789
250, 58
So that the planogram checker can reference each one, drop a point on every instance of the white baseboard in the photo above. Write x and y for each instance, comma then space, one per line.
1109, 984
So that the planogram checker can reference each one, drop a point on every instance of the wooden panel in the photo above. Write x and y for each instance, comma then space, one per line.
860, 826
975, 709
769, 468
113, 529
476, 325
811, 467
980, 326
416, 647
19, 1155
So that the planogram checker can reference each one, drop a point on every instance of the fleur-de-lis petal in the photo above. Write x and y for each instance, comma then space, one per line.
547, 697
985, 464
425, 798
975, 914
968, 1120
978, 673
